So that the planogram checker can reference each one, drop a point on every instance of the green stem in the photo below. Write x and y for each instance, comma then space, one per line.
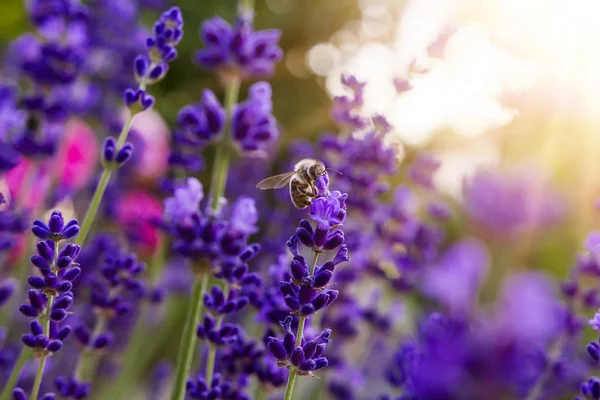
14, 375
40, 371
125, 131
187, 345
38, 379
212, 350
289, 389
224, 148
92, 210
210, 363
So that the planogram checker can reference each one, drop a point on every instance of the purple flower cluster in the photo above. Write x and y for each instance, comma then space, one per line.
254, 129
51, 297
219, 242
218, 389
12, 122
150, 68
305, 358
238, 50
12, 224
346, 110
19, 394
51, 63
115, 38
307, 291
216, 245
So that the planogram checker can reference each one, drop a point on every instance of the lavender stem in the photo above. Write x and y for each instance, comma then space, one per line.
40, 371
38, 379
187, 347
223, 152
289, 389
212, 351
92, 210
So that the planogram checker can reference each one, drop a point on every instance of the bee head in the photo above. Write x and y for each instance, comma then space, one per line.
319, 169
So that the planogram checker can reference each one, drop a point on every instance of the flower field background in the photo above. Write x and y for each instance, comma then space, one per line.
435, 233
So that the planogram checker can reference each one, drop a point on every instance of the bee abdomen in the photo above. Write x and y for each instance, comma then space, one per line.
301, 202
300, 192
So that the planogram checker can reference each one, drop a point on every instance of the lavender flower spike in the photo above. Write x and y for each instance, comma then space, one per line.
307, 292
51, 297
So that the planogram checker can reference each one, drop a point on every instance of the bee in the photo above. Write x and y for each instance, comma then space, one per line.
301, 181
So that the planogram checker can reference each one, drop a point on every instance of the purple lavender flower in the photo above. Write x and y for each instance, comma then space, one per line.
203, 121
238, 50
218, 389
19, 394
307, 292
221, 242
72, 388
50, 62
217, 335
304, 359
12, 121
50, 298
7, 288
120, 286
345, 110
254, 129
152, 67
364, 160
422, 169
12, 224
591, 389
186, 201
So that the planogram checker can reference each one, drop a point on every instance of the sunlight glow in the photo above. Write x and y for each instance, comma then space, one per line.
497, 46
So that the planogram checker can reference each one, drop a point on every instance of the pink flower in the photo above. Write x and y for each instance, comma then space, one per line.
28, 183
136, 212
152, 162
77, 156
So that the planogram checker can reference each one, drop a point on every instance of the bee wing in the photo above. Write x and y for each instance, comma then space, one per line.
276, 181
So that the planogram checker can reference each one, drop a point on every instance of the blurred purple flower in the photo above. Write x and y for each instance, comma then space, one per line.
244, 215
238, 49
595, 321
202, 121
254, 128
531, 299
456, 278
186, 201
508, 203
345, 110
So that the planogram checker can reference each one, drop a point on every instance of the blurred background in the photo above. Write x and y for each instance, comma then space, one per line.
501, 92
